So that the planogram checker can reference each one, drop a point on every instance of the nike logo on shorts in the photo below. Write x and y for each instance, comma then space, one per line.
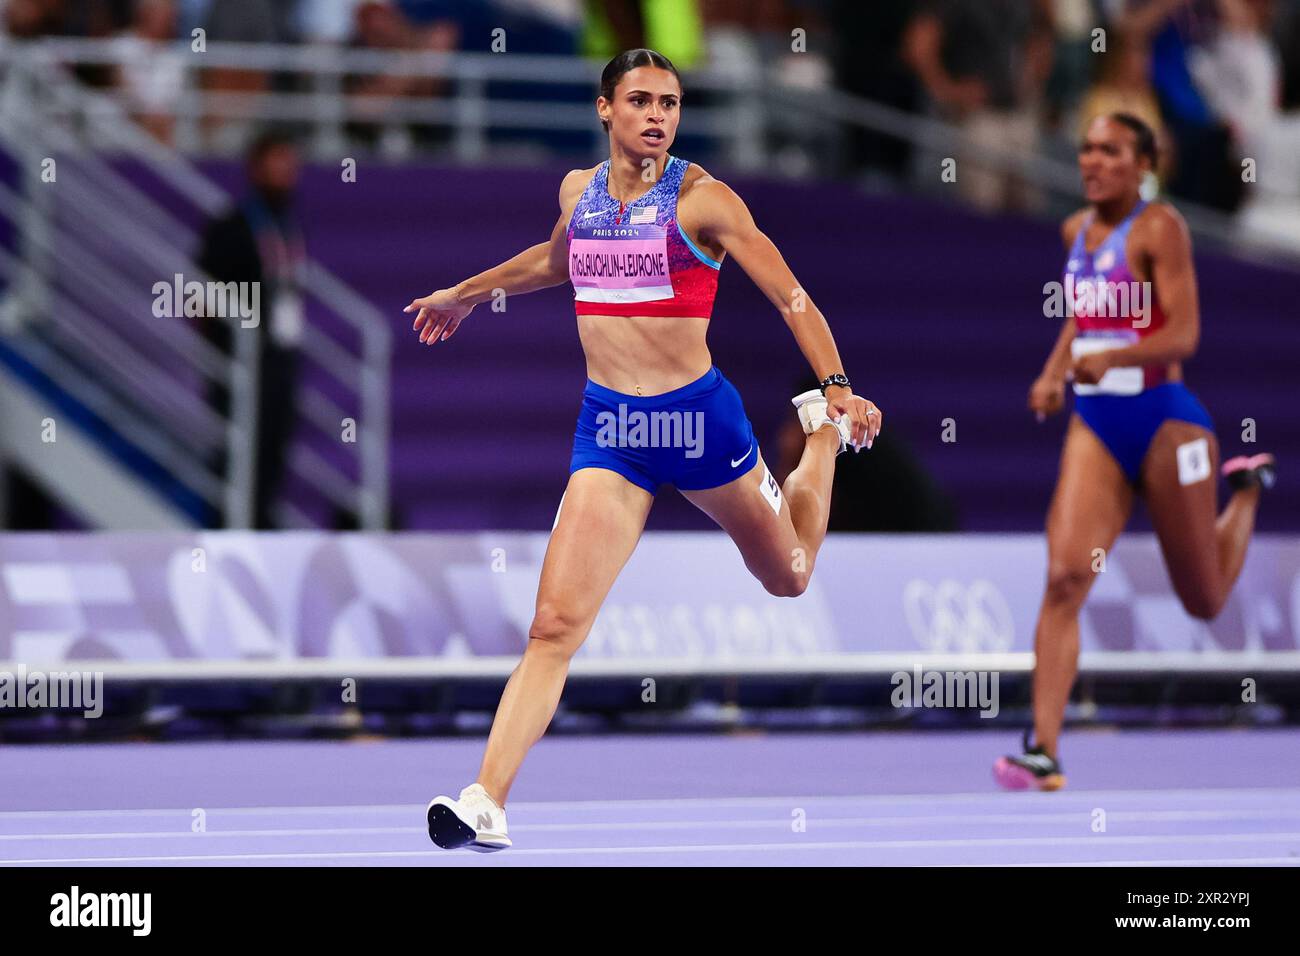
736, 463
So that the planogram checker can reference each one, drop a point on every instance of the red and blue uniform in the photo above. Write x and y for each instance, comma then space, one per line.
1112, 309
635, 260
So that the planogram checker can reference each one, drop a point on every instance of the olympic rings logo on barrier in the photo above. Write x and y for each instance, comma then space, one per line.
951, 617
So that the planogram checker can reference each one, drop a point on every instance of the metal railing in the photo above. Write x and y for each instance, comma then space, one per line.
740, 111
321, 101
90, 246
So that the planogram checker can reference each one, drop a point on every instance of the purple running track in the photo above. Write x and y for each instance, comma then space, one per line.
1174, 797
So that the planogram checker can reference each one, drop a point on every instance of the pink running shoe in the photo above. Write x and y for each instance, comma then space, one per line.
1253, 471
1031, 770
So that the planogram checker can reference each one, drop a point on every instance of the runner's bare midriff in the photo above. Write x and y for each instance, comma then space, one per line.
644, 355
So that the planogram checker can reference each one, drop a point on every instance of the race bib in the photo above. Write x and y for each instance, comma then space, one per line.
620, 264
1127, 380
1194, 461
770, 490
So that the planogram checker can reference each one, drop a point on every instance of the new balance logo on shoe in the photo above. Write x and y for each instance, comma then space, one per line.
483, 822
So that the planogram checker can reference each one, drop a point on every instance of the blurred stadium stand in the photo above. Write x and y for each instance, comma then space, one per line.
80, 263
436, 153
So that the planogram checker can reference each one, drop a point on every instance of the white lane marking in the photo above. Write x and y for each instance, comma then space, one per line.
187, 812
1001, 797
817, 823
1217, 861
1094, 840
187, 834
1016, 819
237, 856
1020, 799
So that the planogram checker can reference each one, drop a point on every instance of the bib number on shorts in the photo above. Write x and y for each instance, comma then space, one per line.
1193, 461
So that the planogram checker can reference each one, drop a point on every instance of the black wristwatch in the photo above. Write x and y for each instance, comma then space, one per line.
836, 379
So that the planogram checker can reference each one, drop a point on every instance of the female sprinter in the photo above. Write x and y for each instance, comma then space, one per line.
1136, 429
641, 237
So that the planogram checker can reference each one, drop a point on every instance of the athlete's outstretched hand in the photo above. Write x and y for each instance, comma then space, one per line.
440, 314
1046, 396
865, 417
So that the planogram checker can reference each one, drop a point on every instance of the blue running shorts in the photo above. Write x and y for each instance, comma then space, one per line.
694, 437
1127, 424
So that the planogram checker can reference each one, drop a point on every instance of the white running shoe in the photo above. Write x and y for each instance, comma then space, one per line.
473, 821
811, 406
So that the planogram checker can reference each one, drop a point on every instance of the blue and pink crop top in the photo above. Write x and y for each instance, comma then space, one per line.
637, 260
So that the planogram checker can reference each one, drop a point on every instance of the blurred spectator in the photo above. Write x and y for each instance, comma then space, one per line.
527, 26
260, 240
190, 15
1287, 36
1238, 71
1171, 29
29, 19
736, 33
1272, 204
382, 26
1123, 86
672, 27
97, 18
26, 19
868, 63
757, 43
984, 64
151, 75
326, 21
1072, 58
248, 21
